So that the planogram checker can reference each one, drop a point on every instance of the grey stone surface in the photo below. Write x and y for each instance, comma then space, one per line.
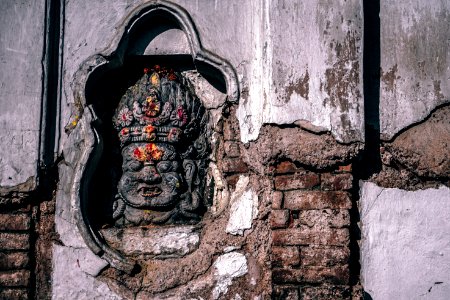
176, 241
74, 258
405, 247
21, 48
415, 60
70, 279
65, 222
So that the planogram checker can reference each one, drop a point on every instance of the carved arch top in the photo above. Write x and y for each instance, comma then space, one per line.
114, 54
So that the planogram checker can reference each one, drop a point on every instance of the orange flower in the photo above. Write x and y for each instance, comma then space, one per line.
139, 154
125, 131
172, 77
149, 129
150, 147
153, 151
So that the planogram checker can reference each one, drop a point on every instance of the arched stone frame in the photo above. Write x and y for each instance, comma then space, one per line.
86, 117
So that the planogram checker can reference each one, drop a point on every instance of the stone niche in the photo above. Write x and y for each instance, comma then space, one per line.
148, 122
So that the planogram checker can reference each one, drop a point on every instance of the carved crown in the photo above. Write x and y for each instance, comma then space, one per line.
156, 109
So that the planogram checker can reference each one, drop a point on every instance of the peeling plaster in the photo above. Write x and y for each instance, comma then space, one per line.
244, 207
326, 67
415, 56
227, 267
405, 245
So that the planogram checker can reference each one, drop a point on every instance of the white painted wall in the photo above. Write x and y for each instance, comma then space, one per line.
21, 76
405, 246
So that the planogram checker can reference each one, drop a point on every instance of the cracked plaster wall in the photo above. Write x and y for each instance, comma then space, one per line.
265, 39
404, 246
262, 41
21, 76
415, 62
405, 243
297, 62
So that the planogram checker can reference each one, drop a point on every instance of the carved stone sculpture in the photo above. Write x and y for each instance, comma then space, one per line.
162, 128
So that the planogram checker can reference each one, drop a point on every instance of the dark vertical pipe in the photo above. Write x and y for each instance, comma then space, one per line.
51, 68
371, 81
370, 161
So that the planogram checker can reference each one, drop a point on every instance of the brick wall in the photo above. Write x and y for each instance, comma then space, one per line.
26, 237
15, 263
310, 222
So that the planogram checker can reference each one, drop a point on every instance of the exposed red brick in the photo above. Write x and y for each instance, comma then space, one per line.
230, 130
298, 200
231, 149
14, 221
277, 199
16, 294
234, 165
43, 254
279, 218
334, 275
296, 181
14, 278
285, 256
336, 182
47, 207
285, 293
12, 261
286, 167
46, 224
334, 218
326, 292
311, 236
325, 257
11, 241
347, 168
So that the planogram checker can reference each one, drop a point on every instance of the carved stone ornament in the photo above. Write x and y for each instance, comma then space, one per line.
161, 125
158, 129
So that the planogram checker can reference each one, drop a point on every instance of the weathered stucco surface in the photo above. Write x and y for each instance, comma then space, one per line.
70, 281
415, 61
21, 49
405, 242
323, 42
299, 64
262, 41
243, 207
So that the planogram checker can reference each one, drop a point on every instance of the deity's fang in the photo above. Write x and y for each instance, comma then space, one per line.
150, 192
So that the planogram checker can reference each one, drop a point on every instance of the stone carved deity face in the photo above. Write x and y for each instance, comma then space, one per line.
162, 130
149, 184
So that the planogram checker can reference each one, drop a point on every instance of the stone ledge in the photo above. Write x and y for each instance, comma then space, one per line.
167, 242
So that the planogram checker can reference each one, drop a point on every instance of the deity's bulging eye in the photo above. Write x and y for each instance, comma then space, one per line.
173, 181
133, 165
165, 166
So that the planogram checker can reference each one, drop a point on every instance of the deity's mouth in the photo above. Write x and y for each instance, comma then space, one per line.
150, 191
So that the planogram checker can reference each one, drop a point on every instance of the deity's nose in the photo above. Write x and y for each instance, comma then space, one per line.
151, 174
